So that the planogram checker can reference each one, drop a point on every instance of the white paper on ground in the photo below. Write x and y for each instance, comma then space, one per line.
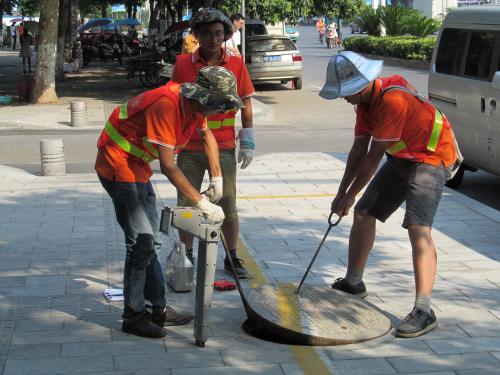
113, 295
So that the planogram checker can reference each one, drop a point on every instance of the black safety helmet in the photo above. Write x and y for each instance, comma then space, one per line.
209, 15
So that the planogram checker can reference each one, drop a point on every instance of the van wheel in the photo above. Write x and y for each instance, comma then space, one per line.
457, 179
297, 83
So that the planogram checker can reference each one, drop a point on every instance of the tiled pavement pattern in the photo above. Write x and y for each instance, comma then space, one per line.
60, 247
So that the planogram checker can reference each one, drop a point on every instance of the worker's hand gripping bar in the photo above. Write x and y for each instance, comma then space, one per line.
330, 225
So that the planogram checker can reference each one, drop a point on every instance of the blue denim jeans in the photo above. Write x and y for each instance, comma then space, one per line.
135, 208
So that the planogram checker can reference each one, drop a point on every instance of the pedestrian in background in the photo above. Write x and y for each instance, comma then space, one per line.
211, 27
26, 40
392, 119
13, 33
234, 44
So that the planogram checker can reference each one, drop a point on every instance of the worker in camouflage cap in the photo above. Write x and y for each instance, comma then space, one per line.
209, 15
214, 88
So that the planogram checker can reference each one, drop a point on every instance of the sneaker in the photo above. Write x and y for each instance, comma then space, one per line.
142, 326
358, 290
241, 272
417, 323
189, 255
170, 317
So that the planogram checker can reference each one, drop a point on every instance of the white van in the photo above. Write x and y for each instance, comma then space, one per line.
464, 83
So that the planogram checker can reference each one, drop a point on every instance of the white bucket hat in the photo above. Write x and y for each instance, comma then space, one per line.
348, 73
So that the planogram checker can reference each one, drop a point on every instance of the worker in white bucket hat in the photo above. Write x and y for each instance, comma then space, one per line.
391, 119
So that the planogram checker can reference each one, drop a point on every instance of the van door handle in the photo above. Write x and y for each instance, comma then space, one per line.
483, 104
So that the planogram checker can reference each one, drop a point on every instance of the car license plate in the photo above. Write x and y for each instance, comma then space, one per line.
272, 58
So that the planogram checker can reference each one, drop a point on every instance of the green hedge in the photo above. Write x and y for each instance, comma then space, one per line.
404, 47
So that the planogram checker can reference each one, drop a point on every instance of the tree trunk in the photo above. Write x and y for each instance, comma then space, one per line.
134, 12
207, 3
64, 20
129, 10
154, 10
44, 86
104, 9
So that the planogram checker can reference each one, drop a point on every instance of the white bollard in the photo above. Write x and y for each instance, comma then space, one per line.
52, 157
79, 114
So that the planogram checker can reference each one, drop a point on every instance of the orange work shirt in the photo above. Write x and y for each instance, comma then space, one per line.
161, 126
186, 69
399, 115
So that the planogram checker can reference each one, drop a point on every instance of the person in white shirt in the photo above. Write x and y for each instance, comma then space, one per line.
234, 44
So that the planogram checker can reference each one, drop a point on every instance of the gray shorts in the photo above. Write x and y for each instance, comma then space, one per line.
194, 164
400, 180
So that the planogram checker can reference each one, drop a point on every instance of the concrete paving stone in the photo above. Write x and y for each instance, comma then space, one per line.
477, 372
52, 290
467, 345
232, 370
30, 325
12, 281
362, 367
168, 360
51, 366
59, 337
258, 356
275, 256
445, 362
108, 349
35, 351
496, 355
393, 348
47, 280
481, 329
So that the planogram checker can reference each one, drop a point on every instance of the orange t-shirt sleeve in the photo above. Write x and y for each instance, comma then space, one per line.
161, 123
391, 117
245, 85
361, 129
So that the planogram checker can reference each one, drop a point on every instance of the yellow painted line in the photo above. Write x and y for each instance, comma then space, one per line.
302, 196
307, 358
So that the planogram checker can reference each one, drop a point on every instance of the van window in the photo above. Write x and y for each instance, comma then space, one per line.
451, 47
480, 54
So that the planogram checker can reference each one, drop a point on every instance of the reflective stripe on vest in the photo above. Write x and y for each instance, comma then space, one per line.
128, 147
437, 127
123, 114
218, 124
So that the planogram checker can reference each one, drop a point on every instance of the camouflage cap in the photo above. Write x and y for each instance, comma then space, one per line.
215, 88
209, 15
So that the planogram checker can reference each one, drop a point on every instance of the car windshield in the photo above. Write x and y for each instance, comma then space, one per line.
270, 45
255, 29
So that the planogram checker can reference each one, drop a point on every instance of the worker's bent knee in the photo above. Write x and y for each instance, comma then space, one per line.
363, 216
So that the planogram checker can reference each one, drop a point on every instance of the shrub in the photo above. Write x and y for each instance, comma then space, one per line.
392, 18
369, 21
407, 47
420, 25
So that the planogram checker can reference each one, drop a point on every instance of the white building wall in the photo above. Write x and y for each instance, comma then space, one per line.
434, 8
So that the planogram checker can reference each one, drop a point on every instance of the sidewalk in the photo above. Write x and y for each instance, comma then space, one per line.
61, 247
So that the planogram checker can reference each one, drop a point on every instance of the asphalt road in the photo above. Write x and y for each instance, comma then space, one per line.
301, 122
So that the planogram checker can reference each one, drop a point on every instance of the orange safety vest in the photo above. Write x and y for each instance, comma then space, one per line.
133, 144
222, 125
436, 129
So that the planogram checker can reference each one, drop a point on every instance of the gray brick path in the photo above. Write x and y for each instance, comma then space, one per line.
61, 246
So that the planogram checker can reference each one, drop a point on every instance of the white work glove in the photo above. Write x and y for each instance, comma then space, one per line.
247, 145
212, 212
214, 191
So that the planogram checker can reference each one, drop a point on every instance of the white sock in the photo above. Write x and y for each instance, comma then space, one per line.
353, 276
423, 302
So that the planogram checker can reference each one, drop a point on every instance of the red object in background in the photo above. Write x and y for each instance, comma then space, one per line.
24, 89
224, 284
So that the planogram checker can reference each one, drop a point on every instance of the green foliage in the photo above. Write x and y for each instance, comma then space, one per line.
405, 47
420, 25
337, 8
369, 21
392, 18
29, 8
